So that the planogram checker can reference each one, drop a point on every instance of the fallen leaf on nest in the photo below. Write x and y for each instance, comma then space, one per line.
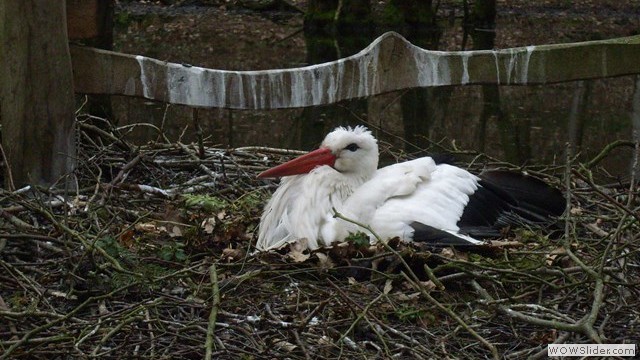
324, 262
452, 254
171, 214
553, 255
387, 287
146, 227
175, 231
232, 254
208, 225
285, 345
429, 285
296, 250
126, 239
102, 308
402, 296
325, 340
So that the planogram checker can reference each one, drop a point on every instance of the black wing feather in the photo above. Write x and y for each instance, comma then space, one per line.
505, 198
436, 237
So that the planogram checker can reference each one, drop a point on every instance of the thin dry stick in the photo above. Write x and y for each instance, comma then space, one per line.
161, 133
608, 197
152, 337
7, 166
123, 144
301, 344
208, 171
125, 169
606, 150
213, 275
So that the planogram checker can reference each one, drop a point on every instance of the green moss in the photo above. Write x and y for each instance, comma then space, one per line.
205, 202
408, 313
359, 239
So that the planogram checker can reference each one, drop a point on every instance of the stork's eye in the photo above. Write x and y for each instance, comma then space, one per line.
352, 147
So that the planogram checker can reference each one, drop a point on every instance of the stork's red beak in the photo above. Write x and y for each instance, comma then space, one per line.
302, 164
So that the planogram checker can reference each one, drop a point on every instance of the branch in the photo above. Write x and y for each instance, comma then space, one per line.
208, 345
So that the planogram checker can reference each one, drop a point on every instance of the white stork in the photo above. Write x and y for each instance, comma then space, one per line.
417, 200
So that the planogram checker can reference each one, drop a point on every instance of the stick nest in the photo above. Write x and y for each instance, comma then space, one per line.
146, 252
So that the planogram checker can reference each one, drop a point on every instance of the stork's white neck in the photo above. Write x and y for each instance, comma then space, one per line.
303, 204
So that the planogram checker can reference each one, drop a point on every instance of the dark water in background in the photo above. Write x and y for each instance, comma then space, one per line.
519, 124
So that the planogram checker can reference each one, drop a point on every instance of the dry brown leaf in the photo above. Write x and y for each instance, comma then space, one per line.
208, 225
576, 211
403, 296
285, 345
429, 285
553, 255
296, 250
175, 231
387, 287
126, 239
448, 253
147, 227
232, 254
451, 253
324, 262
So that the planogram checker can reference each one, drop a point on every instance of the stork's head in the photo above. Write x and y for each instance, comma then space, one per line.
351, 151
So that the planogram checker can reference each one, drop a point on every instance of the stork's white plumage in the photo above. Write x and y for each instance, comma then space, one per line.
417, 200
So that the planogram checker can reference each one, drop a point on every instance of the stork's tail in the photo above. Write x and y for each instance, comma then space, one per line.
535, 199
507, 198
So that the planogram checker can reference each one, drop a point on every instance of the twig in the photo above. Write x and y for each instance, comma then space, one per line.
211, 174
8, 173
125, 169
105, 134
213, 277
606, 150
302, 345
607, 197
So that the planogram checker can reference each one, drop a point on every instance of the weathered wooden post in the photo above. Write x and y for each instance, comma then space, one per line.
90, 22
36, 92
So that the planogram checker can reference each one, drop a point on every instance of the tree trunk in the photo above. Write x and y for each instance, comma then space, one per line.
36, 88
347, 17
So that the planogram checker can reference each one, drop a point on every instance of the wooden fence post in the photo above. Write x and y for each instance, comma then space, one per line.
36, 92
